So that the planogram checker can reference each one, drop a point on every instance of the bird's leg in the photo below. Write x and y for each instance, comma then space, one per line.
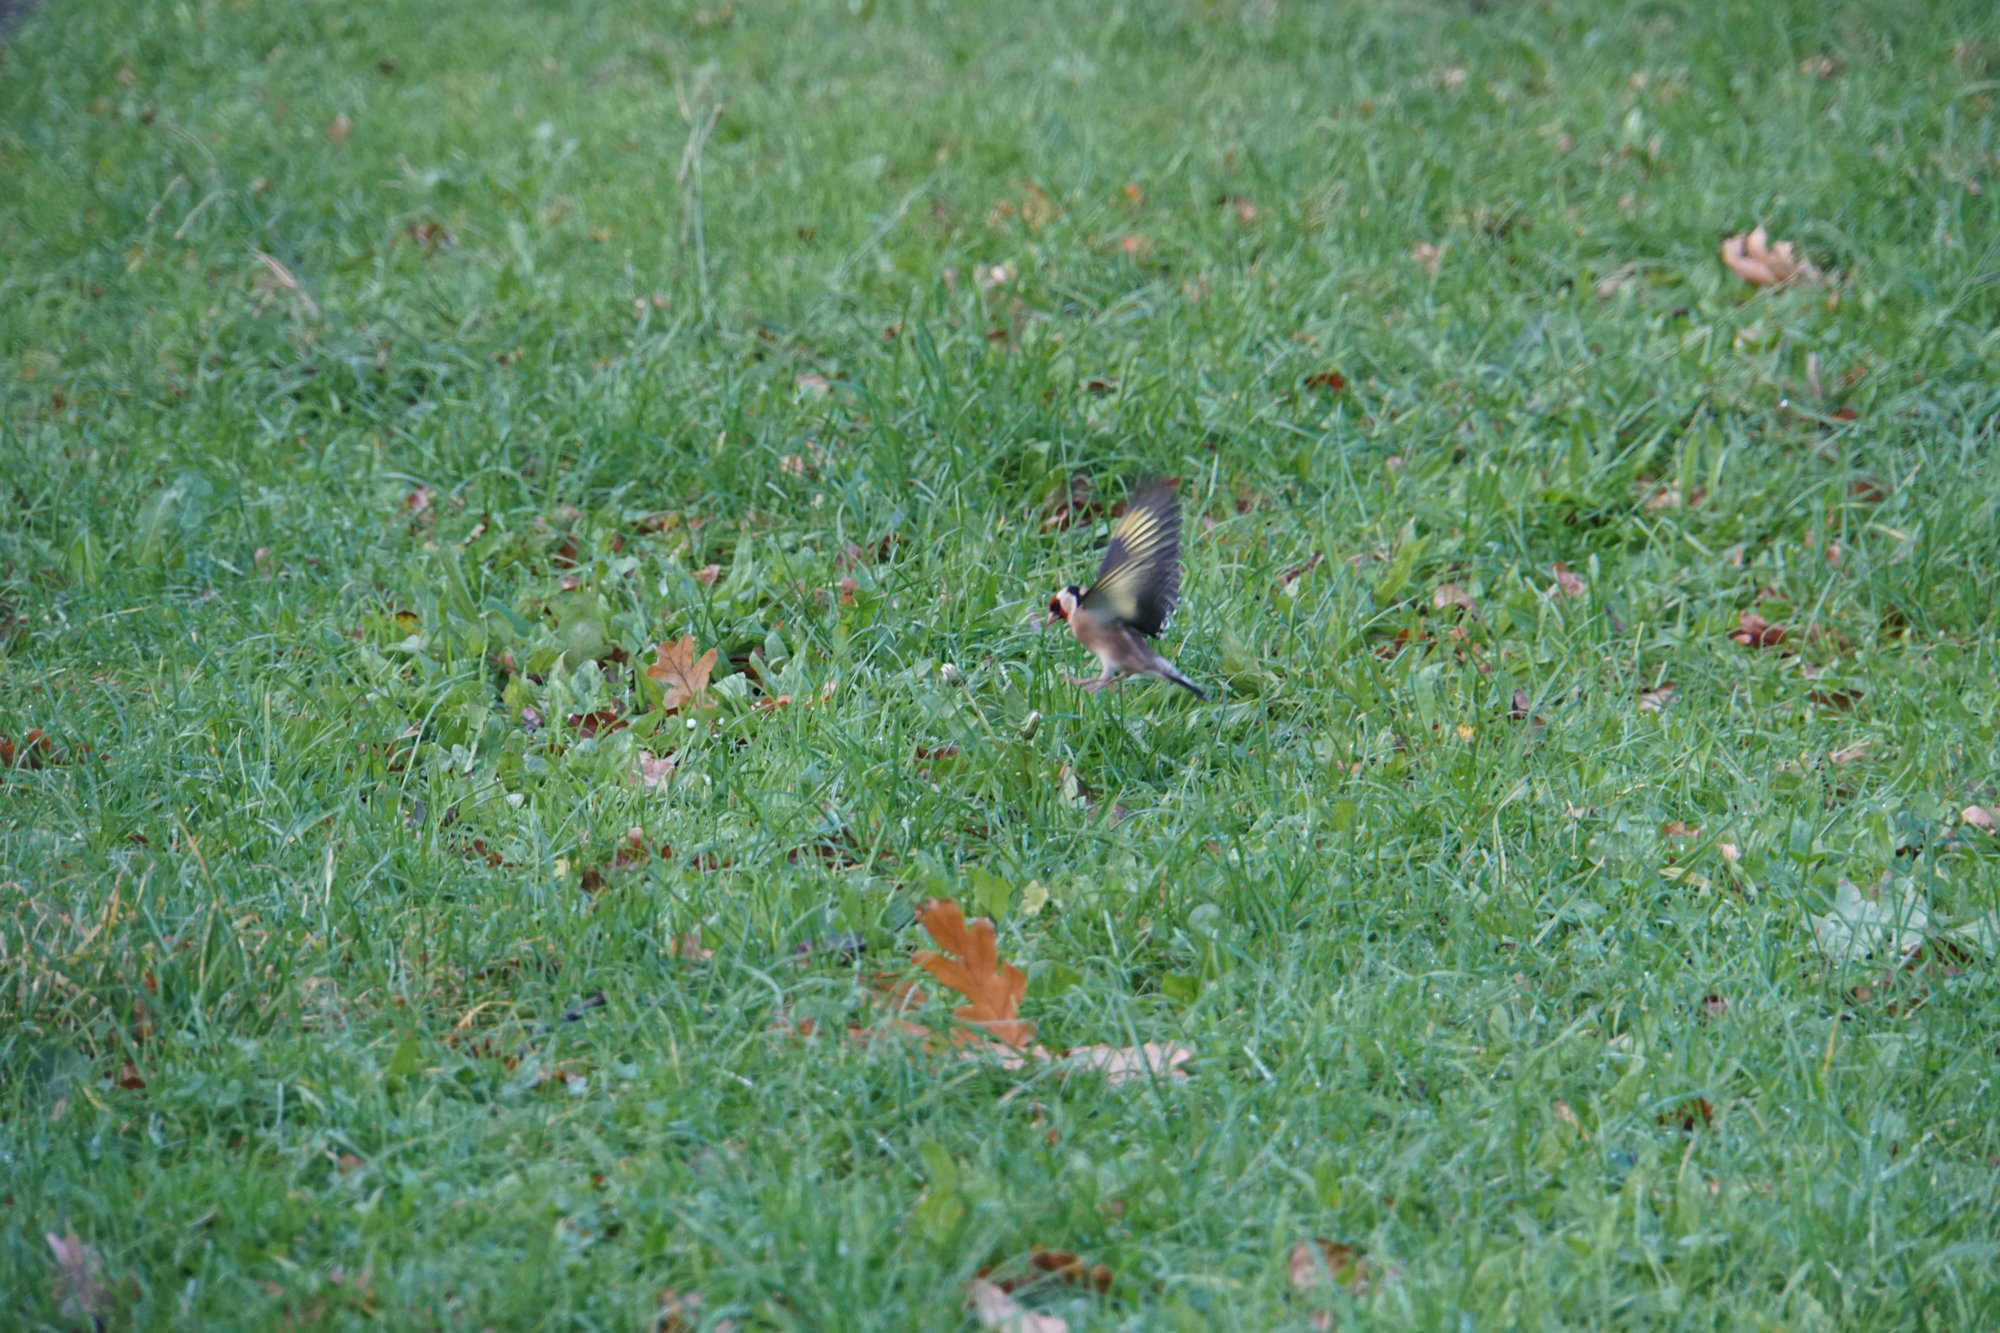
1092, 684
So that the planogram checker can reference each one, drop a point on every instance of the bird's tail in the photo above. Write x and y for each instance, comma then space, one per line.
1177, 678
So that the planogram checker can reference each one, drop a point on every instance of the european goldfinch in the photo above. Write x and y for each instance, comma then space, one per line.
1133, 595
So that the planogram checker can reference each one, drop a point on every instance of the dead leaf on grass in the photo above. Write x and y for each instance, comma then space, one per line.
338, 129
1678, 829
996, 1309
652, 770
1653, 700
1978, 817
1752, 257
82, 1290
1299, 571
1753, 631
1858, 750
683, 677
1045, 1263
992, 988
1153, 1059
1322, 1263
1426, 256
1450, 594
1690, 1115
1569, 584
681, 1312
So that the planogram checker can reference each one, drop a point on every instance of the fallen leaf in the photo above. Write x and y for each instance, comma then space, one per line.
1299, 571
1752, 257
1118, 1064
1840, 701
1689, 1115
993, 989
688, 947
1858, 750
34, 750
681, 1312
1321, 1263
1678, 829
1327, 381
653, 770
1653, 700
1753, 631
599, 723
1819, 67
1867, 490
1450, 594
707, 575
1426, 256
1569, 584
339, 128
1615, 282
682, 676
1070, 503
81, 1288
1978, 816
996, 1309
1045, 1263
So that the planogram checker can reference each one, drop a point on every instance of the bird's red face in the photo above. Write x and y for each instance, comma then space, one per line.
1061, 605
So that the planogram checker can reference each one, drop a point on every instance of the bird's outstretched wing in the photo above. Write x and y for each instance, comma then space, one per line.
1140, 578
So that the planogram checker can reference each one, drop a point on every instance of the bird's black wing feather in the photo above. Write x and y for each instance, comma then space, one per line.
1140, 579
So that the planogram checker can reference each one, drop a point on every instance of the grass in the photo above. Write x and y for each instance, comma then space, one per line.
377, 378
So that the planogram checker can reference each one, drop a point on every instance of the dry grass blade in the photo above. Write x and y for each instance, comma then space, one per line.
992, 988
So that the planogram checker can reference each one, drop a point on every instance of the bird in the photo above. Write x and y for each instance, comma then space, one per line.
1133, 595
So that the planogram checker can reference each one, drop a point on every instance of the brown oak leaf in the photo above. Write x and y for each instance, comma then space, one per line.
970, 965
1752, 257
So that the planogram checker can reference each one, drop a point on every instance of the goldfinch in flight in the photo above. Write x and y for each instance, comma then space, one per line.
1133, 595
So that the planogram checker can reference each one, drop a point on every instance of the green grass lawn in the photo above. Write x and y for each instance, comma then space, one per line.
379, 384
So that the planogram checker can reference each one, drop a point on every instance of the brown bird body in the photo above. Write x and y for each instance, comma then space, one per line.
1134, 593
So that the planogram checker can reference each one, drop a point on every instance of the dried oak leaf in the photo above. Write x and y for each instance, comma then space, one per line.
1070, 503
996, 1309
683, 677
1299, 571
1450, 594
1753, 631
1320, 1263
81, 1287
1690, 1115
1153, 1059
1043, 1263
992, 988
1752, 257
